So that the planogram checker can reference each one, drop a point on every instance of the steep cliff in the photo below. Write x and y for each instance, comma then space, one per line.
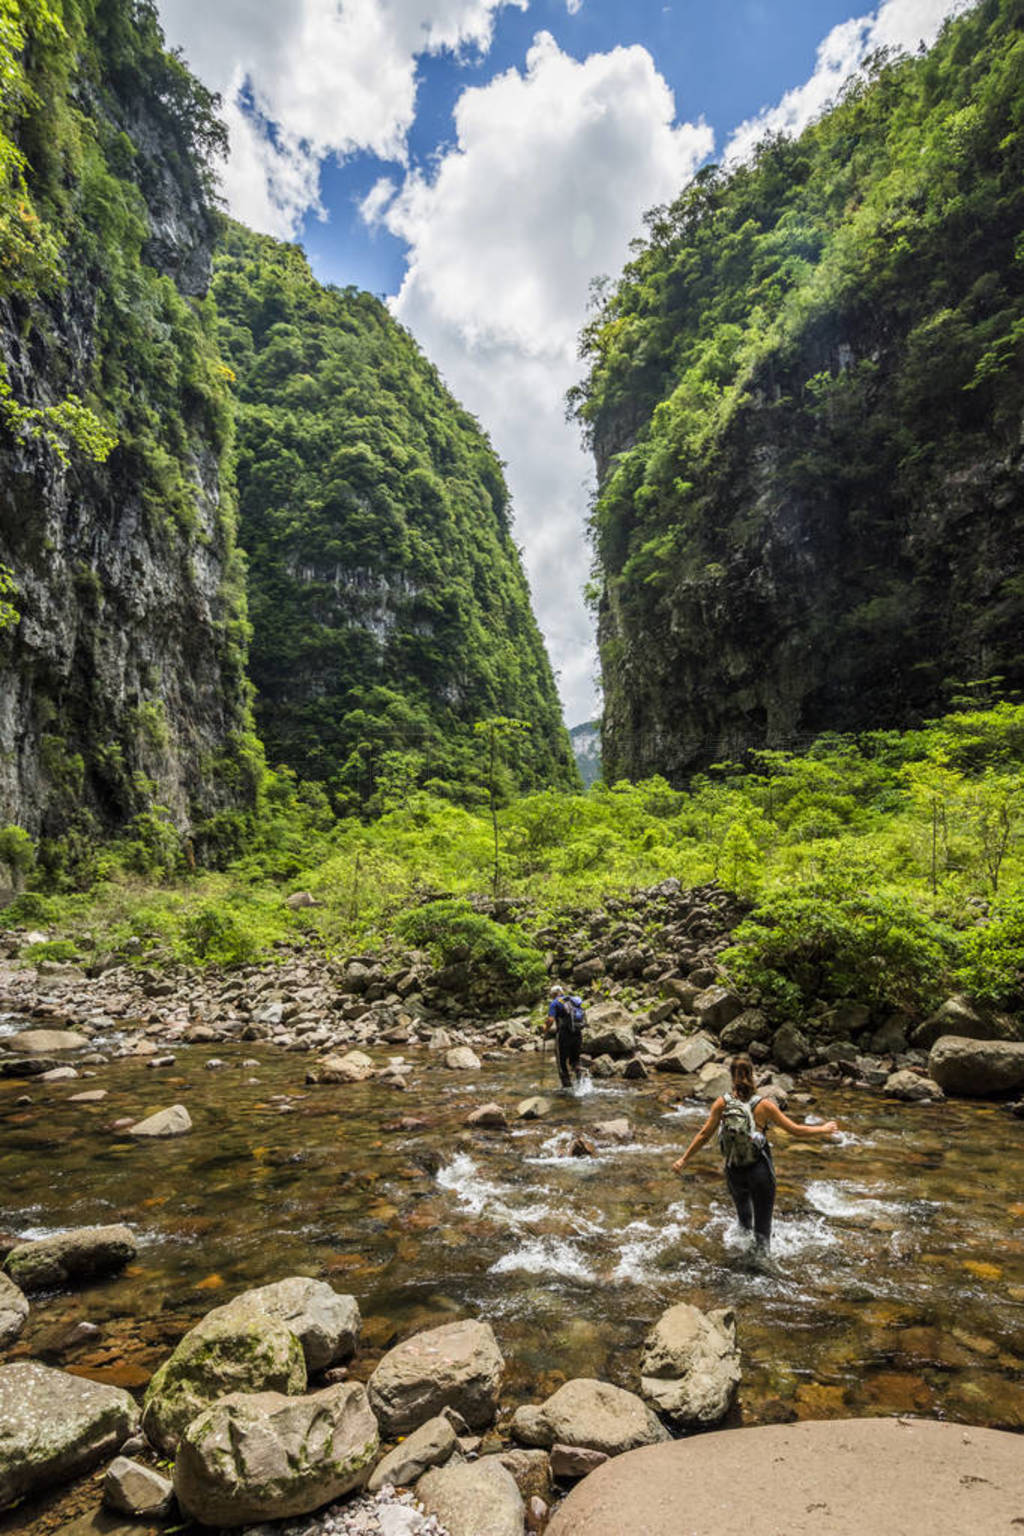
806, 402
123, 684
389, 607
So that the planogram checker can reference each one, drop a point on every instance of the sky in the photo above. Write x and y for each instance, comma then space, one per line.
477, 163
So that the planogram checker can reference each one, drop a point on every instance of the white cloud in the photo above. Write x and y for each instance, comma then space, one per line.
550, 174
574, 7
902, 24
331, 76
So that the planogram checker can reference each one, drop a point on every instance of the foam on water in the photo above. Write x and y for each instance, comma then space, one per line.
844, 1200
478, 1196
554, 1256
641, 1243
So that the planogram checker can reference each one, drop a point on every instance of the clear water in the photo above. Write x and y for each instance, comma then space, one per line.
897, 1281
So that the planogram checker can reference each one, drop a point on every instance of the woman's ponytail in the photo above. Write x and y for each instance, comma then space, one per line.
742, 1076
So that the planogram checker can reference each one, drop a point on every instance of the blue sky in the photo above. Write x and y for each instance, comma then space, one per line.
479, 162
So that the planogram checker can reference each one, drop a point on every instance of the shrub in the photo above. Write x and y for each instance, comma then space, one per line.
453, 932
216, 937
991, 966
28, 909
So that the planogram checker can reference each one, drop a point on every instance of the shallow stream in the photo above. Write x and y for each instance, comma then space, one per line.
897, 1283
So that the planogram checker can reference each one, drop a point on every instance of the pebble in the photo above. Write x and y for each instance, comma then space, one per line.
386, 1513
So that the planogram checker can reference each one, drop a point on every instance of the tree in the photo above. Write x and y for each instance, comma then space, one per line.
495, 731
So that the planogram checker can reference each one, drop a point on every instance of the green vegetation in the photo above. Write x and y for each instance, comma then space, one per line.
851, 894
388, 603
805, 395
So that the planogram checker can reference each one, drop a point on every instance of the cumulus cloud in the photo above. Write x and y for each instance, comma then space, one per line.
902, 24
312, 78
550, 173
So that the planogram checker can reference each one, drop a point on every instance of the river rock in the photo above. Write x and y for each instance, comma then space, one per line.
462, 1059
474, 1498
489, 1116
54, 1427
745, 1028
589, 1413
132, 1489
71, 1257
614, 1130
262, 1456
790, 1047
977, 1068
571, 1462
958, 1016
534, 1109
716, 1007
687, 1056
457, 1365
235, 1348
616, 1040
531, 1470
40, 1042
13, 1311
58, 1075
911, 1086
175, 1121
429, 1446
353, 1067
325, 1322
690, 1367
26, 1066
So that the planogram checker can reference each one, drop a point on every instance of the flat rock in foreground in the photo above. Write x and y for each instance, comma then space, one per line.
897, 1476
594, 1415
458, 1365
54, 1427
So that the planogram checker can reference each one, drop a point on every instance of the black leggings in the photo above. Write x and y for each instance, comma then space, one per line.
753, 1193
569, 1043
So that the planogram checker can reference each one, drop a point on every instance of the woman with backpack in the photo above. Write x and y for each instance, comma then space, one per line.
742, 1120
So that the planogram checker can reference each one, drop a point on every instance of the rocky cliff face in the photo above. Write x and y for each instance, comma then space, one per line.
807, 408
123, 684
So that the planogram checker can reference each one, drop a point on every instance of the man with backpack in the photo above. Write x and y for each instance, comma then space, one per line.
566, 1018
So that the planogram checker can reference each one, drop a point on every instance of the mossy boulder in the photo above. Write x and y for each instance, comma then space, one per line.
54, 1427
69, 1258
236, 1348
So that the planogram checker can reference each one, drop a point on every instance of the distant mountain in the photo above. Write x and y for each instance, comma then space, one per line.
585, 741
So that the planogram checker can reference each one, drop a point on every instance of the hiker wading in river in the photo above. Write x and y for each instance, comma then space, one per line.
565, 1017
742, 1119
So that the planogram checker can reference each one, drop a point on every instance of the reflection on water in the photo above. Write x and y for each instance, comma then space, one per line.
897, 1281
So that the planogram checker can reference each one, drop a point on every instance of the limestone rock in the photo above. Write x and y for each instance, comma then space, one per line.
687, 1056
429, 1446
13, 1311
690, 1367
588, 1413
570, 1462
261, 1456
790, 1048
716, 1007
234, 1348
474, 1498
325, 1322
70, 1257
531, 1470
353, 1067
614, 1130
910, 1086
54, 1427
615, 1040
40, 1042
458, 1365
175, 1121
462, 1059
977, 1068
958, 1016
489, 1116
534, 1109
132, 1489
745, 1028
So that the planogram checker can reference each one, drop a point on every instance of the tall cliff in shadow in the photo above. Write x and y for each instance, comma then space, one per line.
122, 686
389, 606
806, 402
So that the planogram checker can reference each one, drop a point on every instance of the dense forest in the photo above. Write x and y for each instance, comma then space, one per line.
389, 608
805, 398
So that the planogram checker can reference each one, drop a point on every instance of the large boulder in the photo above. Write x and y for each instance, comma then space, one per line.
264, 1456
236, 1348
687, 1055
458, 1365
13, 1311
745, 1028
690, 1367
977, 1069
429, 1446
588, 1413
175, 1121
615, 1040
958, 1016
325, 1322
790, 1048
41, 1042
54, 1427
462, 1058
70, 1257
474, 1498
911, 1087
353, 1067
716, 1007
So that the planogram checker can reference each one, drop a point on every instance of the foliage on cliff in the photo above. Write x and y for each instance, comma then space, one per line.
805, 396
125, 677
389, 607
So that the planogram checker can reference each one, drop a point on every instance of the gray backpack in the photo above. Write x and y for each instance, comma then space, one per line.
738, 1136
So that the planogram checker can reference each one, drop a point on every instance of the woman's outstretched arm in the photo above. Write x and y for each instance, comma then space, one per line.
705, 1134
802, 1132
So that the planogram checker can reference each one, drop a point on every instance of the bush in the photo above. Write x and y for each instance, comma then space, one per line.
17, 852
991, 966
27, 910
216, 937
53, 949
810, 944
453, 932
